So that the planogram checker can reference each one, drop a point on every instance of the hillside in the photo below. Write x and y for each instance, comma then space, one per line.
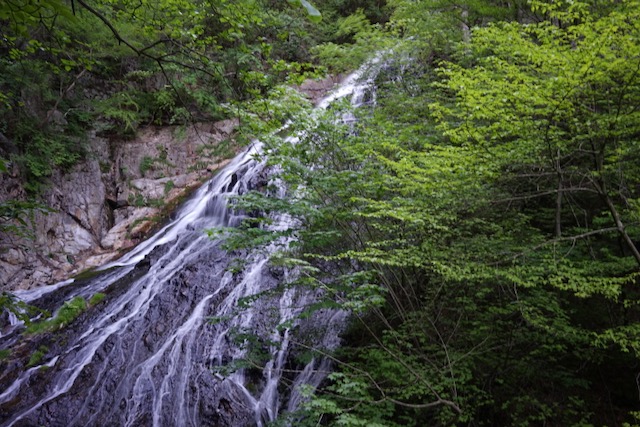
477, 216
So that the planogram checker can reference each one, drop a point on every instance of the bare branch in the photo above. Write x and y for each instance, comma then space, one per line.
572, 239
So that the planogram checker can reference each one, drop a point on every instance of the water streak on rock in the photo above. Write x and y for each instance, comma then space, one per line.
148, 354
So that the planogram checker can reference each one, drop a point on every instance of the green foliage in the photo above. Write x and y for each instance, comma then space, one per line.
312, 12
168, 186
283, 106
146, 164
22, 310
96, 299
24, 14
69, 311
478, 223
116, 66
365, 38
123, 113
16, 217
37, 356
5, 354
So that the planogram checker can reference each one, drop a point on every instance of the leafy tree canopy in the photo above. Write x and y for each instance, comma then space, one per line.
480, 222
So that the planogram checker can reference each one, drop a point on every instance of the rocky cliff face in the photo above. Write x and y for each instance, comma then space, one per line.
108, 203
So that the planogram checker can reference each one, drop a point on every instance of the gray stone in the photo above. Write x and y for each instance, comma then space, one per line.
118, 237
98, 205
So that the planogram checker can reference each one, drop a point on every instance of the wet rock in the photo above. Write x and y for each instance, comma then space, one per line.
100, 259
316, 89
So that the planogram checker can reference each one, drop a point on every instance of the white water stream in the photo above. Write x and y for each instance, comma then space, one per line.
147, 355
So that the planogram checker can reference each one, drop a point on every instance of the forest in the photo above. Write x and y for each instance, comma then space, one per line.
480, 221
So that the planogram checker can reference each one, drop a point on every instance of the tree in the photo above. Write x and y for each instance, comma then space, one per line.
483, 245
565, 96
68, 67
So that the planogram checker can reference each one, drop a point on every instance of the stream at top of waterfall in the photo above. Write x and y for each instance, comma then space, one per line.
148, 355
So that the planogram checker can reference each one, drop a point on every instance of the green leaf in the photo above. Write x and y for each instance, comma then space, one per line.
313, 13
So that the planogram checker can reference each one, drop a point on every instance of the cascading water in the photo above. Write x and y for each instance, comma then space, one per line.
147, 355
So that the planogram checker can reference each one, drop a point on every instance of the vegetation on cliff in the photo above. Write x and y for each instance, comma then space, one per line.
480, 221
113, 66
70, 71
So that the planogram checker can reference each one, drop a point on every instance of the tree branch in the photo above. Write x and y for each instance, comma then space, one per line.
561, 239
142, 51
108, 23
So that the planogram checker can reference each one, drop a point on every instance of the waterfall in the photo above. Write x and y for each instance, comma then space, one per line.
148, 355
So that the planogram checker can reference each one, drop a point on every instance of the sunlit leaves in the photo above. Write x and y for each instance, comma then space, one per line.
479, 202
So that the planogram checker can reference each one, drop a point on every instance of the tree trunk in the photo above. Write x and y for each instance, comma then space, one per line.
621, 228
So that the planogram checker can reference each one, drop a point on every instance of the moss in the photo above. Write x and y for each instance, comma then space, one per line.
146, 164
86, 274
69, 311
96, 298
4, 354
37, 356
139, 201
168, 186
